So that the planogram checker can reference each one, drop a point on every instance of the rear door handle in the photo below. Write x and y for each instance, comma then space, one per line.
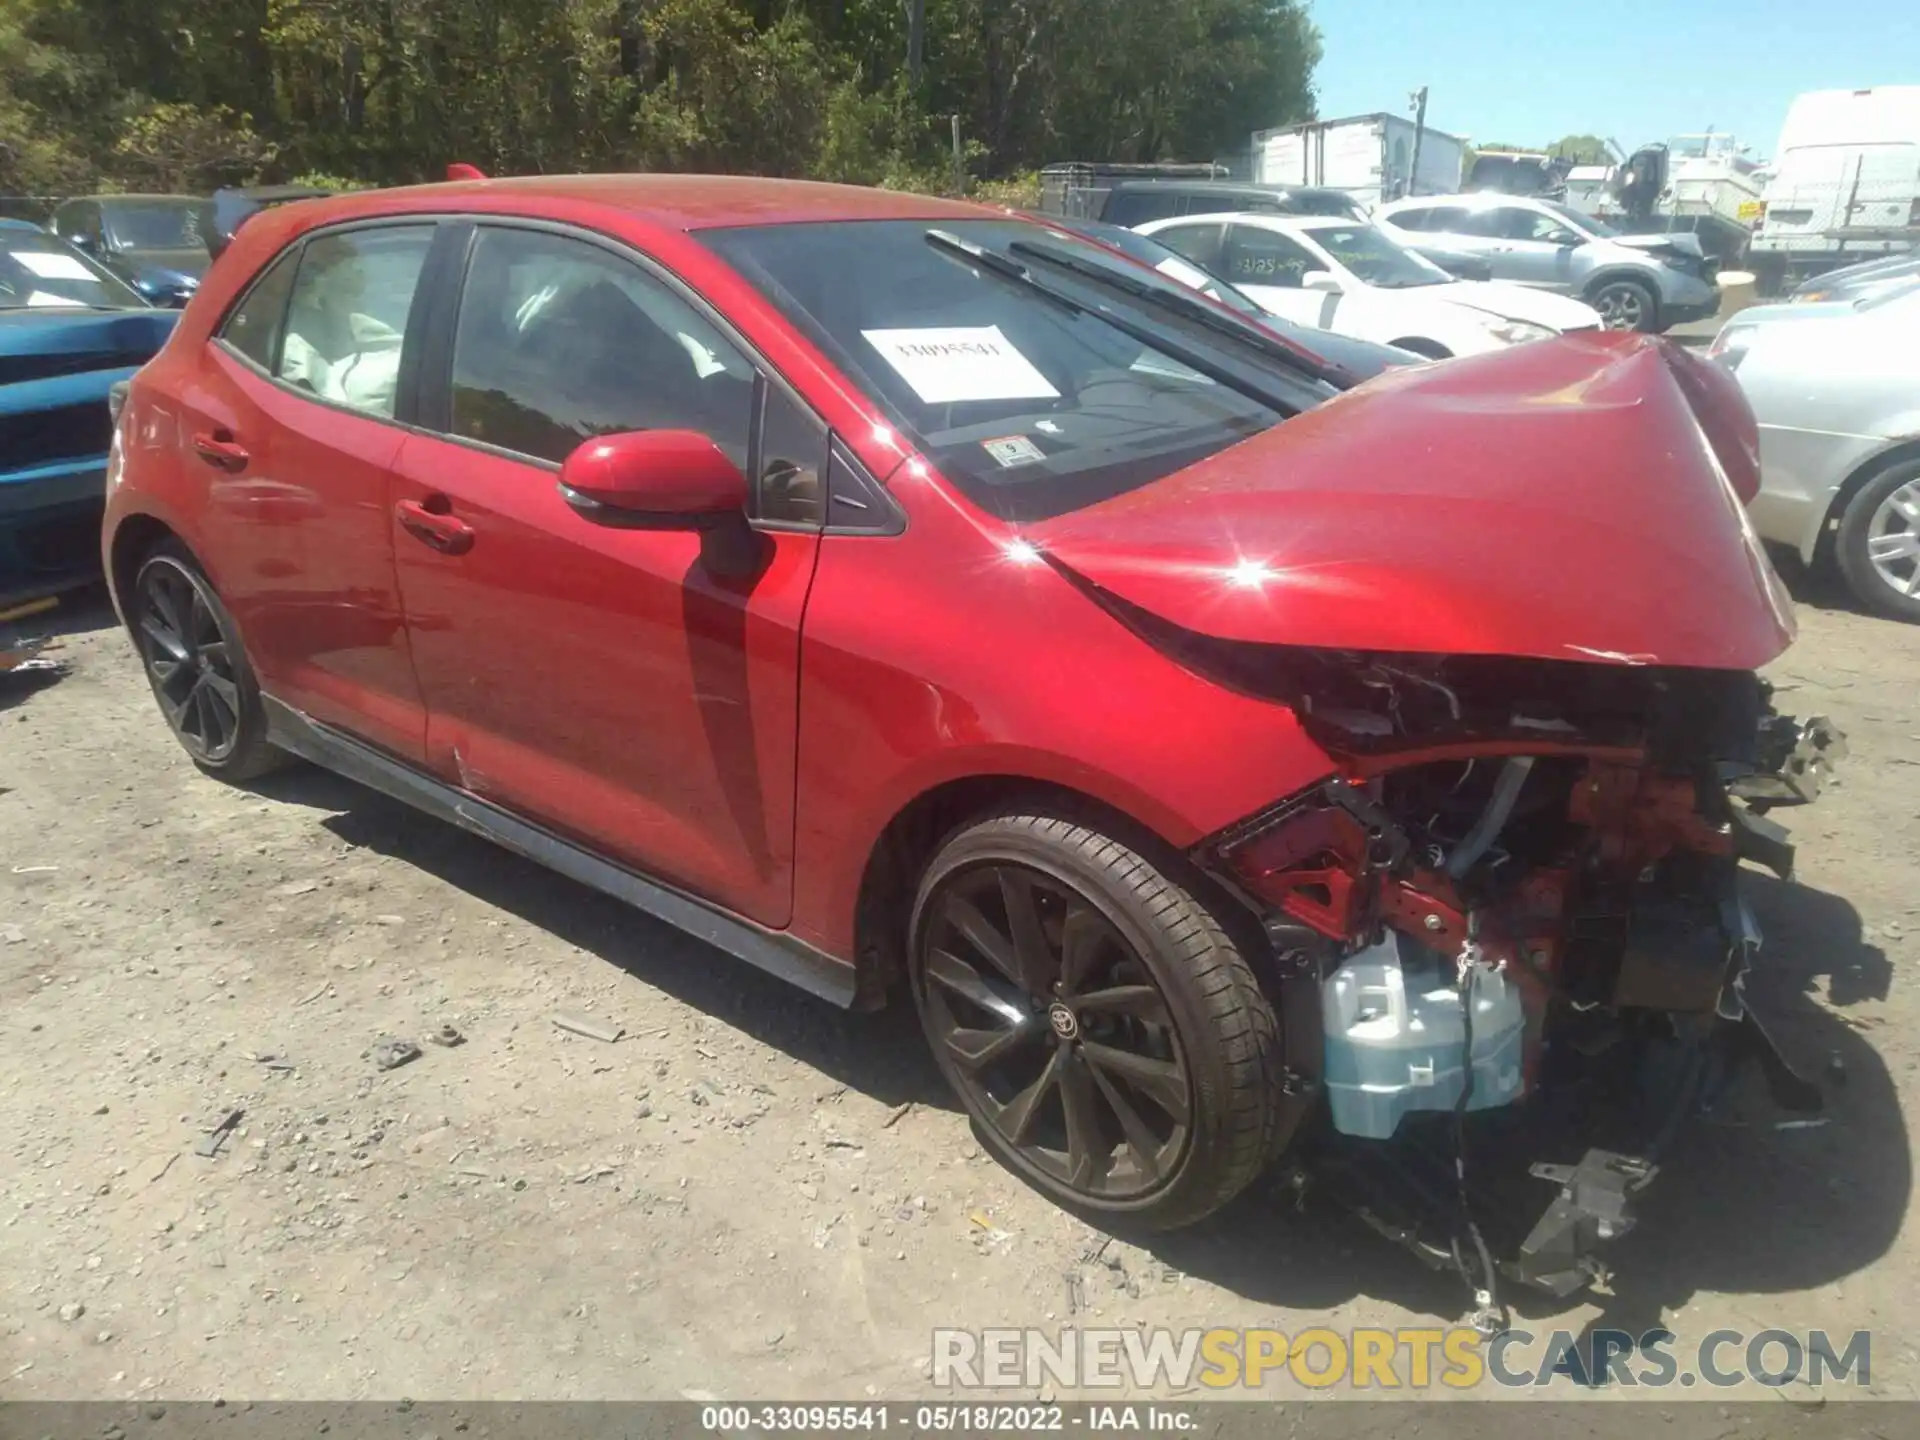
220, 450
434, 526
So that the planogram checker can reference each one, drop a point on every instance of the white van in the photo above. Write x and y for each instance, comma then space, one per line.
1846, 182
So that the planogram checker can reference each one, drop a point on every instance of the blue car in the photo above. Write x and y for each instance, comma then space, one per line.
69, 331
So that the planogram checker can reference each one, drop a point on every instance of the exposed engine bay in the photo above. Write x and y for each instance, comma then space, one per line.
1524, 881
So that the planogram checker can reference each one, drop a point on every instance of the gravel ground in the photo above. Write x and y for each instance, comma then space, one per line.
749, 1194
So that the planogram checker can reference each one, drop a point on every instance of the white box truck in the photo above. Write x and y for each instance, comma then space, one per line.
1368, 156
1846, 183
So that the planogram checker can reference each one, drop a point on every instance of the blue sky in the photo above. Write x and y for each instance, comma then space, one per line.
1530, 71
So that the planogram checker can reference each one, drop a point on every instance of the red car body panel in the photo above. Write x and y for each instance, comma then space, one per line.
603, 682
1385, 521
907, 655
751, 742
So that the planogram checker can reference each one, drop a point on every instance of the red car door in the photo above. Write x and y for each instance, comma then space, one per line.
605, 681
291, 417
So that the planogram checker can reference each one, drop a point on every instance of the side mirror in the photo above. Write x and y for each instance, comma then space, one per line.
83, 241
1320, 280
654, 480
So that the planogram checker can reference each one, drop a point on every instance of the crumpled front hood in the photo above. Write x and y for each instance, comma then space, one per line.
1679, 242
1561, 500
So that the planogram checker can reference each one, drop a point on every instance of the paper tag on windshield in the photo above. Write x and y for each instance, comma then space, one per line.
957, 363
50, 265
1012, 450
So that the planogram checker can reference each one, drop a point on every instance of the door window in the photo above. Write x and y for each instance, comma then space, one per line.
1138, 206
559, 340
1265, 257
253, 329
791, 487
1513, 222
1198, 243
347, 317
1432, 219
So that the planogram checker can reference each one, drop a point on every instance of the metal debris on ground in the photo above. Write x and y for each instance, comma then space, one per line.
898, 1114
210, 1143
578, 1024
448, 1036
315, 993
272, 1059
390, 1054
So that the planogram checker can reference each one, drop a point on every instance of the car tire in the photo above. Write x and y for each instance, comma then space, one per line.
1100, 1025
197, 667
1878, 546
1626, 305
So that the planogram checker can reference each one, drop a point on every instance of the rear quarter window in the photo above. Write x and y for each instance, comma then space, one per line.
253, 326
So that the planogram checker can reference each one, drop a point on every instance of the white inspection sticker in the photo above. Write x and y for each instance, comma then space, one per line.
956, 363
51, 265
1012, 450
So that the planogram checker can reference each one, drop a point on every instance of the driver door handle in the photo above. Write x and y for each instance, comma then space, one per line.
430, 524
220, 450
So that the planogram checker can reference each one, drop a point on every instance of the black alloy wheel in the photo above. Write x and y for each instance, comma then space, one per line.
1095, 1017
197, 667
1056, 1031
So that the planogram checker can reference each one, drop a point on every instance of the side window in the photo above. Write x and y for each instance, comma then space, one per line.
792, 463
1264, 257
347, 315
253, 327
1137, 207
1490, 223
1419, 217
559, 340
1198, 243
1445, 220
1519, 224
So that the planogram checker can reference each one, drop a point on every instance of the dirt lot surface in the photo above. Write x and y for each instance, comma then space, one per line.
750, 1194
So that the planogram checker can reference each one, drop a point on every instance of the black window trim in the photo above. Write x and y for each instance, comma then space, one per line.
403, 417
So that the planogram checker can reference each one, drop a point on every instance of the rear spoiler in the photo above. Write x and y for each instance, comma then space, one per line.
233, 208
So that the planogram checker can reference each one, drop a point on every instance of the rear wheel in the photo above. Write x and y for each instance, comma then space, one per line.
1626, 305
198, 669
1878, 547
1102, 1029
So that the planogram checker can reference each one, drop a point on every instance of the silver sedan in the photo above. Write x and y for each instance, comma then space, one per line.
1836, 387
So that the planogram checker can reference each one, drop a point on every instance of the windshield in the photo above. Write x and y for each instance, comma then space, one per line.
1377, 258
1579, 219
1030, 405
38, 272
160, 224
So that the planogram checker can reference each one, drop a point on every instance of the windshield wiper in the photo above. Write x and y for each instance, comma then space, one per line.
1201, 312
1005, 267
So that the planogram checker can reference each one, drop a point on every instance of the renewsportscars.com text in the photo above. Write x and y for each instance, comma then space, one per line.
1408, 1358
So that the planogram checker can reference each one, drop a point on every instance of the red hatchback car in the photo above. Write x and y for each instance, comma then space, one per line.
899, 594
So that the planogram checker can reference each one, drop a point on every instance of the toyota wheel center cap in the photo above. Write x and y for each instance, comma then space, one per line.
1061, 1018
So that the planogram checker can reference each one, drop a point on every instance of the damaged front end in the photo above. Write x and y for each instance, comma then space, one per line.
1519, 893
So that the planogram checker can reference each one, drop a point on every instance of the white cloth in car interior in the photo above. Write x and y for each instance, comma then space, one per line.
366, 376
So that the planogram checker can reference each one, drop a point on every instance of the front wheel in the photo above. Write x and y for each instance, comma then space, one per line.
1626, 305
1879, 543
198, 669
1105, 1034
